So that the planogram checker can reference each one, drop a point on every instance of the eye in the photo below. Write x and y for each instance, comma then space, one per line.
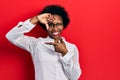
50, 24
59, 24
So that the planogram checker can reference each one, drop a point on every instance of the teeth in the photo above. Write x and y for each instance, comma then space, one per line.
56, 33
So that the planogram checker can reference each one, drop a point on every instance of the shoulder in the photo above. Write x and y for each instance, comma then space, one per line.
70, 45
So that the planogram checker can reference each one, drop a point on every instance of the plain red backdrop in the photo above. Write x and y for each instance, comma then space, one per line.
94, 28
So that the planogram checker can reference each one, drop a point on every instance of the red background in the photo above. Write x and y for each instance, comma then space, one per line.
94, 28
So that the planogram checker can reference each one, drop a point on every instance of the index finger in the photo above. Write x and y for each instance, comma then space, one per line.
51, 43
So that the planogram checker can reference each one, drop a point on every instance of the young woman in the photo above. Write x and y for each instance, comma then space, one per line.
54, 58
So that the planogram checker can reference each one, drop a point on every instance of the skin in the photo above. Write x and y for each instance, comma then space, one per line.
54, 30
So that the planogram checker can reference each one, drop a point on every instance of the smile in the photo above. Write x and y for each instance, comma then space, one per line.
55, 33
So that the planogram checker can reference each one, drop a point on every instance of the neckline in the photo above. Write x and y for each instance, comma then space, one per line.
48, 38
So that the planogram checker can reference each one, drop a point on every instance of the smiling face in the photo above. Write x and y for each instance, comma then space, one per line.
56, 27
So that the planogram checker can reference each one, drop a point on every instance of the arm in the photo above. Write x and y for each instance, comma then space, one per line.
71, 65
17, 37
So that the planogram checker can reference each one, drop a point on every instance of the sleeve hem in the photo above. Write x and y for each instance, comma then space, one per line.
65, 58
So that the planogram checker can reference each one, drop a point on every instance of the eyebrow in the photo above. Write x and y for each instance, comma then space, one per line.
57, 22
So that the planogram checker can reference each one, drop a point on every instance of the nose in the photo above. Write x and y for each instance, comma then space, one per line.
55, 28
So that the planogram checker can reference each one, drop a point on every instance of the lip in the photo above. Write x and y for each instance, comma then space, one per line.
55, 33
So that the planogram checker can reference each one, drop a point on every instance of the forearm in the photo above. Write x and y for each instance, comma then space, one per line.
70, 63
19, 30
72, 70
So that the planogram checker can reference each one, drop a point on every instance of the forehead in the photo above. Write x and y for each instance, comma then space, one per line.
57, 18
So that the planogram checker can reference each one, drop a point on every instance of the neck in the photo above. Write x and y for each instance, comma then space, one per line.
56, 39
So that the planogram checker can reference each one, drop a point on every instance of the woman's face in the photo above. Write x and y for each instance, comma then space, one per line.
55, 27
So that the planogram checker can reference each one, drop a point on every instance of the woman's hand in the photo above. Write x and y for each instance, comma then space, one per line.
43, 18
59, 47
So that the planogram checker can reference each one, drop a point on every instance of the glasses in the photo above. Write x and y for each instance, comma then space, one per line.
52, 24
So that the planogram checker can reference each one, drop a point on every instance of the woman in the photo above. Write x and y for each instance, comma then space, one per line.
54, 58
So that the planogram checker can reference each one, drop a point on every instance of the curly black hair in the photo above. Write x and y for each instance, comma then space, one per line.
56, 10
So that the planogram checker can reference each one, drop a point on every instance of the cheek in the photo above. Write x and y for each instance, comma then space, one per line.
61, 28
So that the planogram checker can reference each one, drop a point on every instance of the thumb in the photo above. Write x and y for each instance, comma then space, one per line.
51, 43
61, 40
47, 26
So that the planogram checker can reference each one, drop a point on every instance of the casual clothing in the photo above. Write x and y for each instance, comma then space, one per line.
49, 65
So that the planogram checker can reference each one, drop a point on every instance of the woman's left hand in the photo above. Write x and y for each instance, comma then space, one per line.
59, 46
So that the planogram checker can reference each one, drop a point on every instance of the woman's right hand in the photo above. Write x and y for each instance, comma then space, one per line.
45, 19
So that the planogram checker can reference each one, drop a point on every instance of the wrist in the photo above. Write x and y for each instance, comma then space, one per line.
34, 20
64, 53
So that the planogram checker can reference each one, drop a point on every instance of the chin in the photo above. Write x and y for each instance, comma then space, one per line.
56, 37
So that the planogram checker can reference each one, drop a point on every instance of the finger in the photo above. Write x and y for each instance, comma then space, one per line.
51, 18
56, 41
48, 15
51, 43
61, 41
47, 26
